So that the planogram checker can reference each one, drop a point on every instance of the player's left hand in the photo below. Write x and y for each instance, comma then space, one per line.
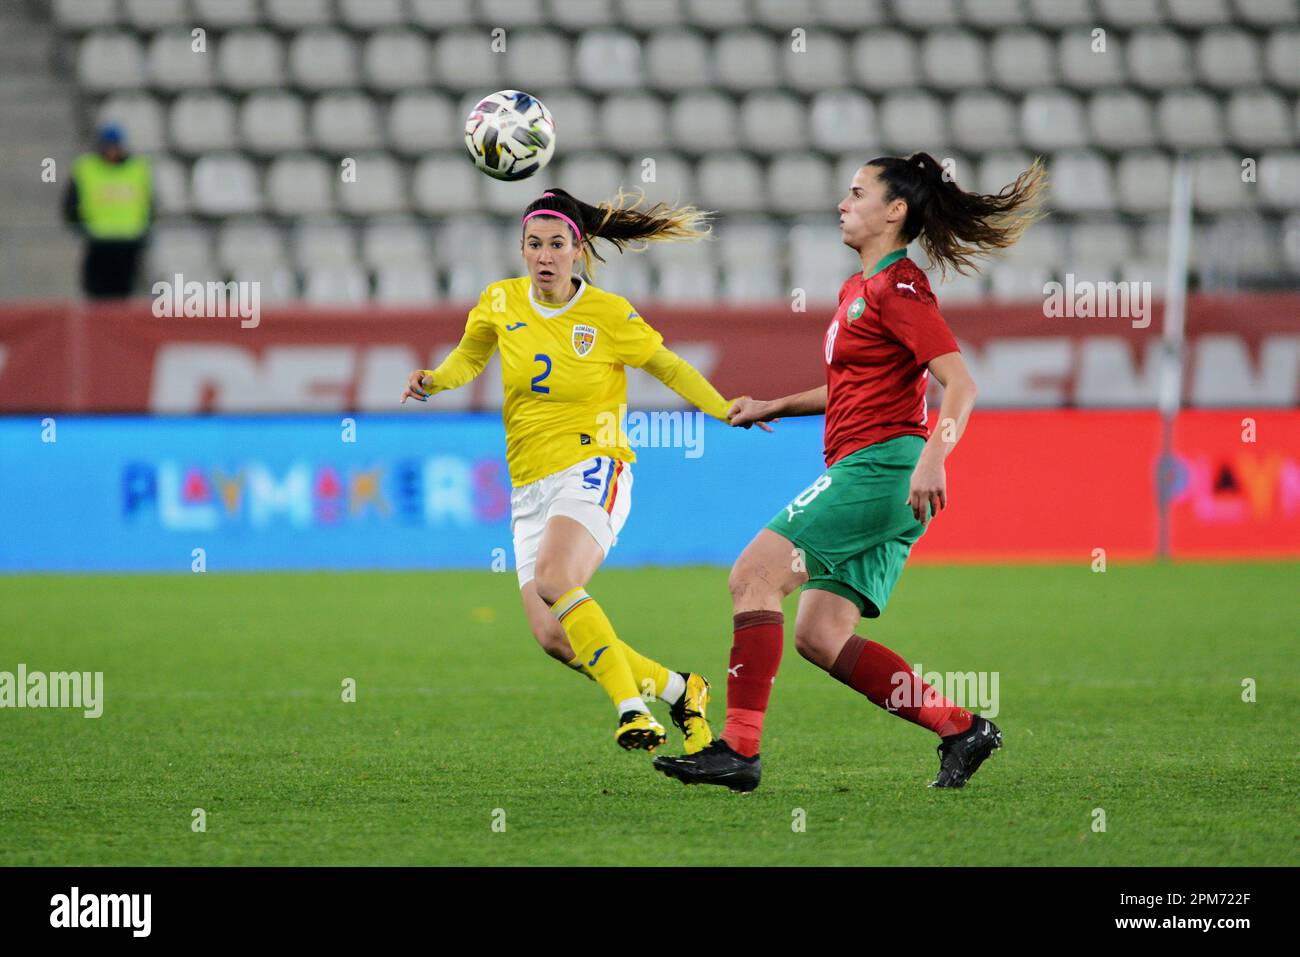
928, 495
745, 412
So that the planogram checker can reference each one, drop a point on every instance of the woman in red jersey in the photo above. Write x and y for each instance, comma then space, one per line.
846, 537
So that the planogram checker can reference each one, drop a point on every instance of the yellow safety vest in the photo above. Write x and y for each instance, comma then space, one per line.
113, 198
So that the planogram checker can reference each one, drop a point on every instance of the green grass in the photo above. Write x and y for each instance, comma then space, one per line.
1119, 691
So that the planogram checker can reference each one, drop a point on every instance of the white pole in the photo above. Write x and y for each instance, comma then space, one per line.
1173, 344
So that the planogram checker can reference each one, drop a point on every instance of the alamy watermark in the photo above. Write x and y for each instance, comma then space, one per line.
208, 300
56, 689
972, 690
1088, 299
679, 429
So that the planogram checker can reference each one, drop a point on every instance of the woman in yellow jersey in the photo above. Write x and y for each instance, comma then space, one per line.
564, 345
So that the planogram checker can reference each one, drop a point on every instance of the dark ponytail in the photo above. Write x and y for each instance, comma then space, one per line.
956, 226
621, 222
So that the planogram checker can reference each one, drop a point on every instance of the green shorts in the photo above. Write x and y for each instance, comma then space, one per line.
854, 525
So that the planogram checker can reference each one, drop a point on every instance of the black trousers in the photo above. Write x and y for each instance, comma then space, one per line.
109, 268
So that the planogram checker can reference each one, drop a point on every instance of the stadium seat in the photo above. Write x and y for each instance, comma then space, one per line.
1228, 58
912, 121
628, 275
366, 15
1022, 60
885, 60
1086, 68
1291, 242
171, 187
174, 64
1240, 244
1100, 240
703, 122
148, 15
342, 122
273, 123
1059, 13
226, 14
730, 182
1259, 118
225, 184
843, 120
295, 14
276, 284
771, 122
1052, 120
757, 282
592, 177
993, 13
509, 199
250, 60
649, 14
582, 14
1016, 282
184, 248
982, 120
463, 60
533, 53
419, 122
673, 182
140, 116
750, 240
397, 242
800, 183
1279, 180
1217, 185
609, 60
1129, 13
1199, 13
445, 183
249, 242
323, 59
1189, 119
851, 14
300, 184
322, 243
1266, 13
1159, 58
1282, 56
1142, 179
688, 282
822, 64
110, 61
396, 60
958, 288
202, 123
406, 285
1082, 182
634, 121
514, 12
678, 60
1120, 119
380, 187
467, 280
441, 14
718, 14
342, 285
85, 14
925, 14
579, 126
745, 60
997, 168
781, 16
953, 60
818, 261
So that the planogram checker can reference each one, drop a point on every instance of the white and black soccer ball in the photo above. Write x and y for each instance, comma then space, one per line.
510, 135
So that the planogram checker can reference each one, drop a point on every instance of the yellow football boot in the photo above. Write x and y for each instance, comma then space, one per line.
639, 729
689, 712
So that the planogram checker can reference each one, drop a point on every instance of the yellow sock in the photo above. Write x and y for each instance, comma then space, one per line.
597, 646
651, 677
576, 664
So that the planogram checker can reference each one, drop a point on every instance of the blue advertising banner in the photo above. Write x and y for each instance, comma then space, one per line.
320, 492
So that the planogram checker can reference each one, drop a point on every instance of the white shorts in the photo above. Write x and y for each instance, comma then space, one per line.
596, 493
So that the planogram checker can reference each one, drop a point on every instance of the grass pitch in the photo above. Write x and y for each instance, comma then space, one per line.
1119, 691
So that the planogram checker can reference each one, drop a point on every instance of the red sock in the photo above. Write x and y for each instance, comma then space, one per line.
755, 656
888, 681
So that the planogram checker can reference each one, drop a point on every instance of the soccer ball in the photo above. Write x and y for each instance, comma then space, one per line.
510, 135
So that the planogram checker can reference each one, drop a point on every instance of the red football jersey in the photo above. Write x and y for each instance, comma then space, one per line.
885, 330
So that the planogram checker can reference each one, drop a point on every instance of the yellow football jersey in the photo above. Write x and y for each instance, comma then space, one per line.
562, 368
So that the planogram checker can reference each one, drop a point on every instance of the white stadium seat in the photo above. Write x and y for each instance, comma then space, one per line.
147, 15
678, 60
1259, 118
341, 285
982, 120
248, 242
293, 14
730, 182
407, 285
85, 14
852, 14
782, 16
202, 123
445, 183
687, 283
609, 60
1282, 55
993, 13
1142, 180
1082, 182
531, 54
799, 183
516, 12
649, 14
174, 64
379, 187
395, 60
403, 242
1100, 240
718, 14
1189, 119
997, 168
141, 118
183, 248
421, 121
673, 182
250, 60
1199, 13
1228, 58
341, 122
463, 60
885, 60
441, 14
703, 122
171, 186
1217, 185
750, 240
843, 120
110, 61
323, 59
913, 121
300, 184
1059, 13
582, 14
1053, 120
578, 121
1084, 66
1022, 60
322, 243
1130, 13
273, 123
225, 14
1279, 180
745, 60
751, 283
925, 14
225, 184
592, 177
954, 60
821, 64
1121, 119
365, 15
1159, 58
632, 122
772, 122
275, 283
959, 288
1266, 13
509, 199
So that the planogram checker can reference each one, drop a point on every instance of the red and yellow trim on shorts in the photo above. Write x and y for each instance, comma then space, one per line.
611, 485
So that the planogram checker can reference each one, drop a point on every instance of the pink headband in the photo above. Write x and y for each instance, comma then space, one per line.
557, 214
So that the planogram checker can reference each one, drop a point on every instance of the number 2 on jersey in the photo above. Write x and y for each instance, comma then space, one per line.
541, 376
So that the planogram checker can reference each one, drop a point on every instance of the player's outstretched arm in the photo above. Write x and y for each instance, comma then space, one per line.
746, 411
466, 361
687, 381
928, 494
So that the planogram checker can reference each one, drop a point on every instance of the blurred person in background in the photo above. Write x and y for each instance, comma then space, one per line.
110, 198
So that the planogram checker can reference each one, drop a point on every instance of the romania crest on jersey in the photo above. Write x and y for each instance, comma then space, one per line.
584, 337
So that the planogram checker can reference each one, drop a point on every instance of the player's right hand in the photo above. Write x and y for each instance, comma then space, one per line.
745, 412
417, 387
